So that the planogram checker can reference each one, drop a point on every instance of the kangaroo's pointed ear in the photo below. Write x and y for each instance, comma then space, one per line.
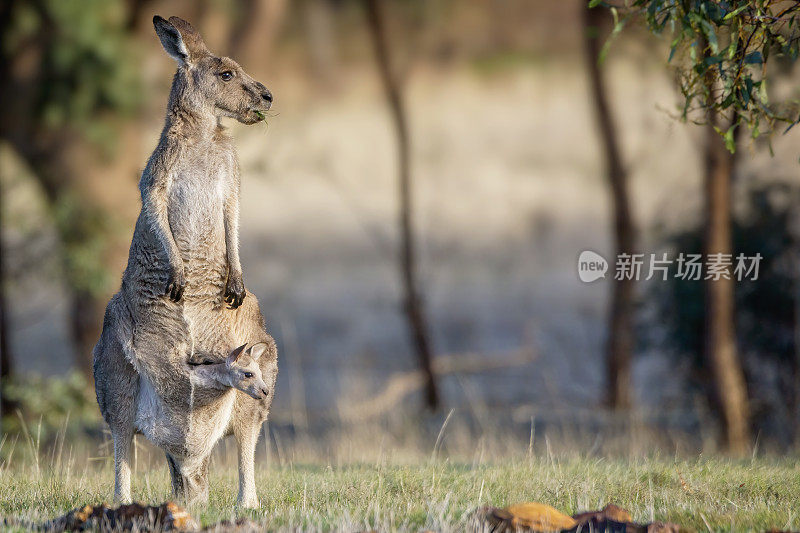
234, 356
171, 40
257, 350
191, 38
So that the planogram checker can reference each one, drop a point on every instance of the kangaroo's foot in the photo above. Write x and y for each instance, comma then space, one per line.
178, 485
195, 478
248, 501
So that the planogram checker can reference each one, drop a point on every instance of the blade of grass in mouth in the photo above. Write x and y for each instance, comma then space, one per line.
262, 117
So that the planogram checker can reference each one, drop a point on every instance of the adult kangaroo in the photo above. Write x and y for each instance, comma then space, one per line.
212, 411
183, 268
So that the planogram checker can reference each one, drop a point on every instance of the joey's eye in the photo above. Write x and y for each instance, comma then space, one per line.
226, 76
248, 374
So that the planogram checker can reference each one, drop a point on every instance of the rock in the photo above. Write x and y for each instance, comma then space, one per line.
535, 517
539, 517
165, 517
530, 516
609, 512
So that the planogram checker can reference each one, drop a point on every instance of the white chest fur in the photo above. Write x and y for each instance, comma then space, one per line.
201, 185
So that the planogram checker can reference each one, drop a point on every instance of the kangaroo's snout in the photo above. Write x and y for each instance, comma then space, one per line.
258, 393
265, 93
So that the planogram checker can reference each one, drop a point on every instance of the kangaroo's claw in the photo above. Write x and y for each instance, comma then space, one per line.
175, 286
234, 291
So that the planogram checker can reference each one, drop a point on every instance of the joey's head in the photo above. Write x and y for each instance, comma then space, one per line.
206, 81
243, 371
240, 370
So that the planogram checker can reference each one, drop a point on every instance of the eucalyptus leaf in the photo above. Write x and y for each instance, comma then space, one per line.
719, 50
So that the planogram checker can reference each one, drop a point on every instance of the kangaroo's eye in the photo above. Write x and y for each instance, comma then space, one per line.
248, 374
226, 76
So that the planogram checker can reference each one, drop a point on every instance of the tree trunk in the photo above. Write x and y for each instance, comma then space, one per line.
619, 344
6, 362
793, 394
5, 356
719, 294
321, 38
412, 305
86, 324
255, 31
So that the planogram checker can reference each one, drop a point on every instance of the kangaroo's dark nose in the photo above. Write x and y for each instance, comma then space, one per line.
267, 96
265, 391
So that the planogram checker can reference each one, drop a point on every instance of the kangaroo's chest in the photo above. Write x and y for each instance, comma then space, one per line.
202, 183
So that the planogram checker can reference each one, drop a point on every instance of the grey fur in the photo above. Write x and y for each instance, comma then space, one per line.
182, 268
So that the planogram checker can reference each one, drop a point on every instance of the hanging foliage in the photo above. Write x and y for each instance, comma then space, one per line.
737, 44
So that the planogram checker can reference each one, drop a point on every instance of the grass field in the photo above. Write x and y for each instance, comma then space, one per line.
703, 494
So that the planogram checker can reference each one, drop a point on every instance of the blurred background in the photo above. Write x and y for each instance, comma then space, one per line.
522, 152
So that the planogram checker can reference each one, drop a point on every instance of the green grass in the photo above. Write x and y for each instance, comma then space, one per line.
712, 493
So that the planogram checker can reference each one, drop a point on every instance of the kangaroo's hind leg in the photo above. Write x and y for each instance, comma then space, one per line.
189, 478
122, 466
117, 388
199, 482
193, 473
246, 438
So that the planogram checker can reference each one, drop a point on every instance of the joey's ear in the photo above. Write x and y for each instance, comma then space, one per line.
234, 356
171, 40
257, 350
